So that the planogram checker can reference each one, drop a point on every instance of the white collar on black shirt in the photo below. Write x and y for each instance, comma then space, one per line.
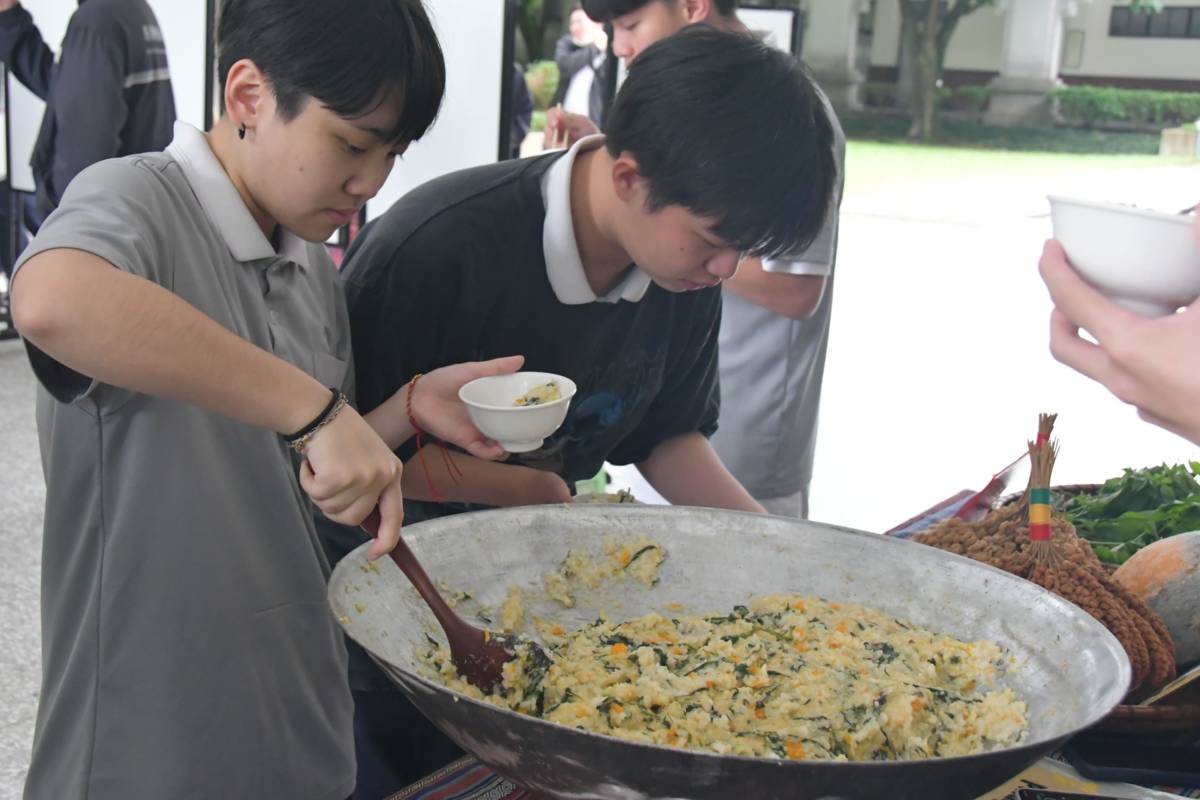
224, 206
564, 267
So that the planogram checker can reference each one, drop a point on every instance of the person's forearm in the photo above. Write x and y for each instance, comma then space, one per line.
687, 471
390, 419
128, 332
792, 296
1149, 363
487, 483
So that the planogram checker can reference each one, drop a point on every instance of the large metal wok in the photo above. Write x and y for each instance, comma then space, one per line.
1070, 671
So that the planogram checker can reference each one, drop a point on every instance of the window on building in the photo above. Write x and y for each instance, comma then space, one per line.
1178, 22
1172, 22
1158, 24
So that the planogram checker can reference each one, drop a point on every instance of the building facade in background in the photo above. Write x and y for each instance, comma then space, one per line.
1019, 48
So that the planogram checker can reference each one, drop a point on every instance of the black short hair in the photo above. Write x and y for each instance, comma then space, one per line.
733, 129
606, 10
349, 55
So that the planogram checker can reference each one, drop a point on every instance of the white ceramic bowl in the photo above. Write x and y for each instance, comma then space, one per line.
518, 429
1145, 261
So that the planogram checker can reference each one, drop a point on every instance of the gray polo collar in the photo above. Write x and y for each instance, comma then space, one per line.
564, 267
224, 206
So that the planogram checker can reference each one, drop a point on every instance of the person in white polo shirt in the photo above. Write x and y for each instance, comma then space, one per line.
775, 326
191, 341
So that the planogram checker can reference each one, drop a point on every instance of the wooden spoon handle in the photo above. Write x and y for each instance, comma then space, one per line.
408, 564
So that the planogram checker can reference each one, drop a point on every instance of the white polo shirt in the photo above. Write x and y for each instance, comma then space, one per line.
564, 266
772, 369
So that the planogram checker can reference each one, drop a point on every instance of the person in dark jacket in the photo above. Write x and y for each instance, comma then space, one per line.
109, 94
582, 56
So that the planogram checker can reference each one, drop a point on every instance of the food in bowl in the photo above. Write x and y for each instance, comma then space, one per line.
519, 428
783, 677
546, 393
639, 559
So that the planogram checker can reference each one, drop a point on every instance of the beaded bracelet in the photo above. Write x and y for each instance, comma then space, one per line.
299, 440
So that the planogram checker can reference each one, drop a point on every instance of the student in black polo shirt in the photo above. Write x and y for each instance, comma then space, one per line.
602, 263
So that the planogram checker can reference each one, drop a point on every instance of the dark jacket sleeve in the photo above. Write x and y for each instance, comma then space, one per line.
570, 64
24, 52
89, 104
563, 48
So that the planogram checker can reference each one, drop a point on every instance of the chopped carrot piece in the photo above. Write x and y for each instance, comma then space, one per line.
620, 649
760, 713
794, 750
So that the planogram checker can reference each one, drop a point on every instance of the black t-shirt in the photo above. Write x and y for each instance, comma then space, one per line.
455, 272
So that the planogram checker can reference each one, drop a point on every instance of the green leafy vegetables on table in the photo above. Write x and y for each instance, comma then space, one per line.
1136, 509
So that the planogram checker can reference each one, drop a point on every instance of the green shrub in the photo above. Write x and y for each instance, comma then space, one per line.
874, 126
1089, 106
879, 95
542, 79
963, 98
968, 98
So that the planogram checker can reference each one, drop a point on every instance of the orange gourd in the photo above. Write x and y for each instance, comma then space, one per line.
1166, 576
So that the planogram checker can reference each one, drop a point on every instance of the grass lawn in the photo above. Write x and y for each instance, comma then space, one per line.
880, 166
881, 158
959, 132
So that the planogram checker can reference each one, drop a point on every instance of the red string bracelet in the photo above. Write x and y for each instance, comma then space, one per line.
447, 459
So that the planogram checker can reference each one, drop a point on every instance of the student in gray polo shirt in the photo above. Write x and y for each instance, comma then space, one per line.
187, 326
775, 323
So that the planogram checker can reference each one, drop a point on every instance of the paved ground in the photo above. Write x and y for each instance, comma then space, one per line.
21, 501
938, 360
937, 369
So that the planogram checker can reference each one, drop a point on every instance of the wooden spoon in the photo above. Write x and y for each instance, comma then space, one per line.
479, 655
